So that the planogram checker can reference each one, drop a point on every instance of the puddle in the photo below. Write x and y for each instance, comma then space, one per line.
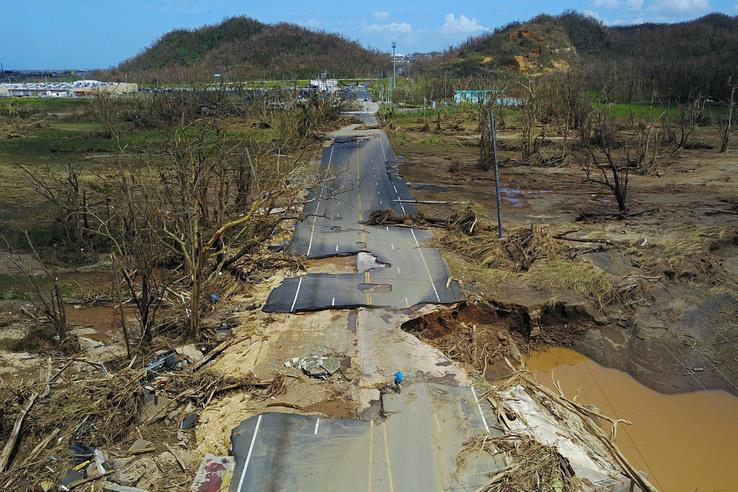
100, 323
683, 442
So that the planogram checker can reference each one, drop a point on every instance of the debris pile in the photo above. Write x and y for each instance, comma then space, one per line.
316, 366
69, 422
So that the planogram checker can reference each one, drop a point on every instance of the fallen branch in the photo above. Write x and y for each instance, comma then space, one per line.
562, 237
716, 211
79, 483
286, 405
5, 459
220, 348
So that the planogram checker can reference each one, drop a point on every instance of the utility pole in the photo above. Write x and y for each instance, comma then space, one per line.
500, 232
445, 87
394, 69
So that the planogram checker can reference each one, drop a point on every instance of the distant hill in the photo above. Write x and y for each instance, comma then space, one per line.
243, 48
674, 58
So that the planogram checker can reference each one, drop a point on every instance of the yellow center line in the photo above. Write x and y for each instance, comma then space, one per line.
371, 453
387, 459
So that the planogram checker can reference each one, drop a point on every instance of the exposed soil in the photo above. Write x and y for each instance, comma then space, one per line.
673, 327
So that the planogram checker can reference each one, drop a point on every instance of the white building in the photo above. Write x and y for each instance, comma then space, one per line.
80, 88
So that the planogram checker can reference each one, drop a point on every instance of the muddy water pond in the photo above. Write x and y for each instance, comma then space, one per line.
684, 442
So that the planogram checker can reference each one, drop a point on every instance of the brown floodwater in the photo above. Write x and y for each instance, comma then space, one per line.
684, 442
101, 323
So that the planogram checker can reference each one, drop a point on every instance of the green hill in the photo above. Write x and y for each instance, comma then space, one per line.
242, 48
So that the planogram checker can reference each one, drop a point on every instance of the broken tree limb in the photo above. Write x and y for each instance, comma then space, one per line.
5, 459
79, 483
220, 348
563, 237
716, 211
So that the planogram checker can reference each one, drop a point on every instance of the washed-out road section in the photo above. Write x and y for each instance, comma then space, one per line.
360, 177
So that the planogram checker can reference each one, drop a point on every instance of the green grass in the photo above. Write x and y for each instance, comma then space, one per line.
43, 103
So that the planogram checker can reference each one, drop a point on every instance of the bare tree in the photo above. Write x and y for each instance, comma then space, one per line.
46, 299
531, 142
65, 193
613, 172
689, 116
727, 126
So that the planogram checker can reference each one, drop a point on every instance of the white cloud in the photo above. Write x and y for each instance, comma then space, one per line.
680, 6
606, 4
592, 13
392, 27
618, 4
461, 25
381, 15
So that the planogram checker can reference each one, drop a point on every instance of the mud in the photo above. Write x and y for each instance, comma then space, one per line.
680, 332
683, 442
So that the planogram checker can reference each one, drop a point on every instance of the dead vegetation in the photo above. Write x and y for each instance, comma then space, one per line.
533, 466
101, 410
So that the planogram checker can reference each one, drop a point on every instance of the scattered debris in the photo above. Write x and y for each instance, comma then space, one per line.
213, 474
317, 366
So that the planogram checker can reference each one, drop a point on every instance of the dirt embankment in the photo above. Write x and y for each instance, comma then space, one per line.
654, 293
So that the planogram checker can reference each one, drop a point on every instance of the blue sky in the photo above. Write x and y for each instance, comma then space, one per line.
98, 33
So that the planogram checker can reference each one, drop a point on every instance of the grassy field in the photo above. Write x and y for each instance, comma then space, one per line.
69, 134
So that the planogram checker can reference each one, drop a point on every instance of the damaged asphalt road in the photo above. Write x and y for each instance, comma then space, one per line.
361, 164
410, 440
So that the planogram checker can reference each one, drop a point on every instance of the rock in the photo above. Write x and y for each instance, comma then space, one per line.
319, 367
88, 343
190, 351
141, 446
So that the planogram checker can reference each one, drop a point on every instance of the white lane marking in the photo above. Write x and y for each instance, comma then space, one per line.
382, 145
317, 207
317, 423
377, 190
297, 292
430, 277
336, 248
484, 420
407, 304
387, 227
392, 245
395, 187
312, 230
398, 271
380, 201
333, 301
248, 456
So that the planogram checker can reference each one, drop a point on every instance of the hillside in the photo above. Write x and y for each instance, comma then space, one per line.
243, 48
675, 58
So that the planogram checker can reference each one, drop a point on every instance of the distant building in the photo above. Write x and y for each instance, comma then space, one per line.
324, 84
80, 88
4, 92
483, 96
